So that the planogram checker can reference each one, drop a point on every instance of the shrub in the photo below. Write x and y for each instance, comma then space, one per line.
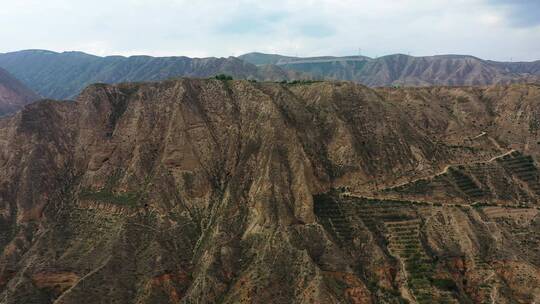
223, 77
445, 284
295, 82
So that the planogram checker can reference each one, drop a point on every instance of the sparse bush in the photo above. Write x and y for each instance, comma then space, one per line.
295, 82
299, 82
223, 77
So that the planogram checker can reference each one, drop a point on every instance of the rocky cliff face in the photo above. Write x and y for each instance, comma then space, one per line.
205, 191
13, 94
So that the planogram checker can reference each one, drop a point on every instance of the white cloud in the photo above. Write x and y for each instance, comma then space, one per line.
491, 19
309, 27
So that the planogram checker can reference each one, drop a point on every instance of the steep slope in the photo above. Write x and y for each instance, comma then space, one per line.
407, 70
64, 75
205, 191
13, 94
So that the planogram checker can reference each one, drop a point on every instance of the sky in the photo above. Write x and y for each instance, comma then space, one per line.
505, 30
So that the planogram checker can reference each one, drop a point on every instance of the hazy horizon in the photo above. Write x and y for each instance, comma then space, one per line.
286, 55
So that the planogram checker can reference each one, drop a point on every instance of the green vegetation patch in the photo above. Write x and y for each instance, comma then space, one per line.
223, 77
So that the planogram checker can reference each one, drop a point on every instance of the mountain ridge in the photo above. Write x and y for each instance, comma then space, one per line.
401, 69
64, 75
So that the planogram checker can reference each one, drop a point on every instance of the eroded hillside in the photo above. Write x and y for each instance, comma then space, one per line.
205, 191
13, 94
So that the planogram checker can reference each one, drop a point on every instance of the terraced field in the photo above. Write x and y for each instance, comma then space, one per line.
523, 167
512, 178
404, 244
465, 183
335, 218
398, 226
455, 181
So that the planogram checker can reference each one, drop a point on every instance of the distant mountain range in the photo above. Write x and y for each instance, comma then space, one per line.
13, 94
64, 75
406, 70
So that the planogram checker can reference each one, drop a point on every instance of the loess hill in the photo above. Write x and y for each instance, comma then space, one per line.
208, 191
